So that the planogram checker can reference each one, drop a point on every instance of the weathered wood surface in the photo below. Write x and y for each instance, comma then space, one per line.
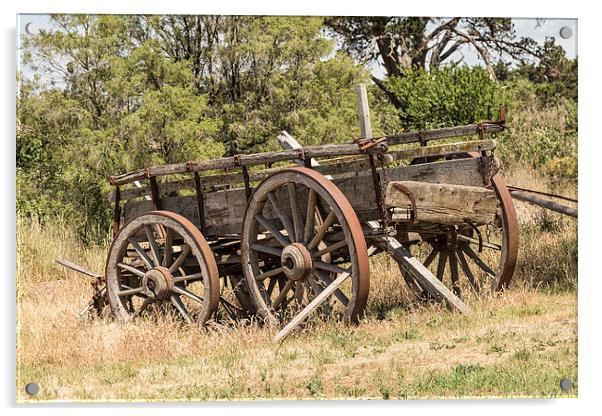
444, 203
78, 268
332, 167
363, 110
443, 133
427, 281
445, 149
405, 260
312, 306
326, 150
545, 203
224, 210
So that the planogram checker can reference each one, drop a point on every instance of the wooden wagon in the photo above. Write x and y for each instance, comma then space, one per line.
281, 234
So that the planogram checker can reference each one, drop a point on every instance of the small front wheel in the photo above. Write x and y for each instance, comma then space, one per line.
161, 262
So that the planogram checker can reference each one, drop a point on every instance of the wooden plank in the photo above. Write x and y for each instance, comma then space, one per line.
363, 110
78, 268
445, 203
445, 149
326, 150
426, 280
443, 133
545, 203
334, 167
312, 306
224, 210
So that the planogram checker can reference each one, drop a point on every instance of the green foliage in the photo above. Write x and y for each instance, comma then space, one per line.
541, 135
444, 97
554, 75
127, 92
115, 93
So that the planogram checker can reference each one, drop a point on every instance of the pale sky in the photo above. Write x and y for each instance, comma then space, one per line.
524, 27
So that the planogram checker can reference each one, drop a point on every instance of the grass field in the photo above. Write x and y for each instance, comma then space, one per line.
518, 344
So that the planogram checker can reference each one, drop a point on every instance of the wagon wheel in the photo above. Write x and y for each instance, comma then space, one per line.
476, 258
160, 261
300, 234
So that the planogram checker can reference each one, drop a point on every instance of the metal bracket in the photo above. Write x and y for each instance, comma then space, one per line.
406, 191
365, 144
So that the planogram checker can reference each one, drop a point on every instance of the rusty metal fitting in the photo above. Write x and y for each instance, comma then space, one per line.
406, 191
147, 173
301, 153
190, 165
236, 160
365, 144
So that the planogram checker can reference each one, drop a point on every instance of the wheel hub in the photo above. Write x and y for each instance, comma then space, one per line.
296, 261
157, 283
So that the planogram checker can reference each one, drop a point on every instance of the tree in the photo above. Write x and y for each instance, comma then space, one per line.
127, 92
262, 75
403, 43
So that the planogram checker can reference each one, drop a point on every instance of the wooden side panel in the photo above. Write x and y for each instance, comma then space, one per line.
444, 203
225, 209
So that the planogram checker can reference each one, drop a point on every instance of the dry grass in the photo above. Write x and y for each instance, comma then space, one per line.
518, 344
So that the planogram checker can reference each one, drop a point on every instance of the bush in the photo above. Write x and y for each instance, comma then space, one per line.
541, 136
444, 97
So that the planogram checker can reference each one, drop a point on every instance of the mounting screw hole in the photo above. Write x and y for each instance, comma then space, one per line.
566, 384
32, 389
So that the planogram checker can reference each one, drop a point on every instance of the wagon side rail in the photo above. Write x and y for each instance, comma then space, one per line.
357, 148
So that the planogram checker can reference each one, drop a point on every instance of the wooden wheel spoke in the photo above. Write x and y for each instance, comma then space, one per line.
310, 217
430, 258
271, 286
284, 219
441, 265
131, 269
130, 291
477, 260
297, 219
315, 286
153, 244
266, 249
181, 291
269, 273
181, 308
328, 281
282, 295
180, 260
299, 292
487, 244
168, 252
142, 307
188, 278
322, 265
321, 231
268, 225
467, 271
141, 253
330, 248
453, 268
